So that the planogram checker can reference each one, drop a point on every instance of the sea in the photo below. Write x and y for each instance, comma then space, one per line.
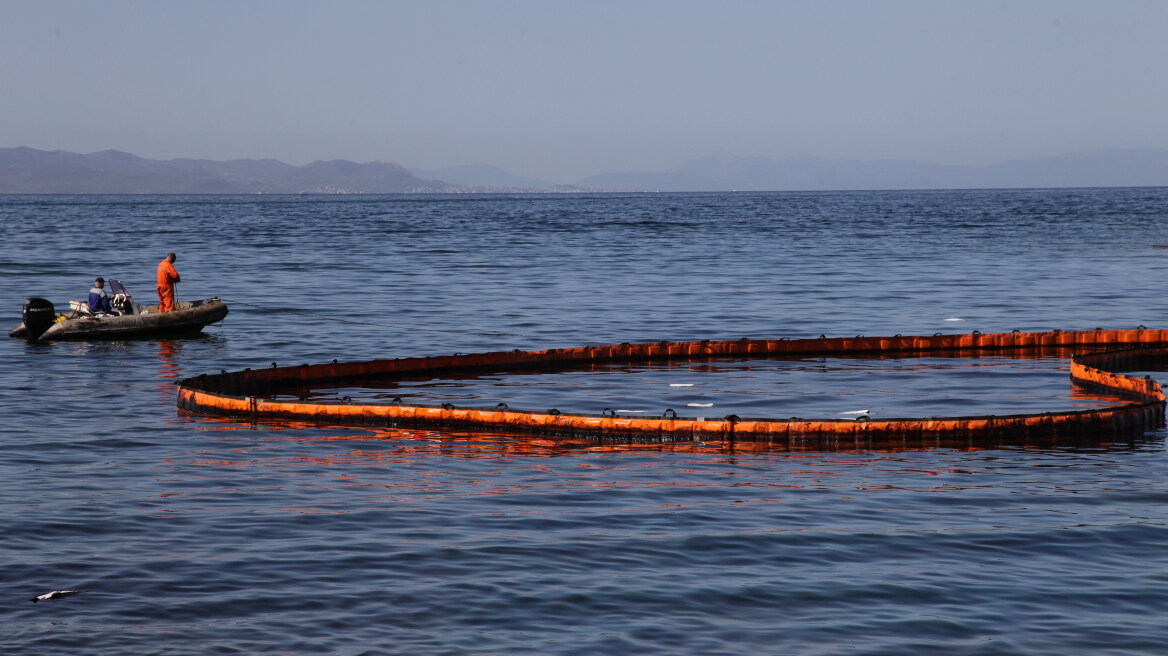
191, 535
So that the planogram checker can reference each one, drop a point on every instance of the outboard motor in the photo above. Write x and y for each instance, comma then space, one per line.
39, 315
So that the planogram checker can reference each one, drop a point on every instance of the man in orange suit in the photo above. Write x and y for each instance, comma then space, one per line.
167, 276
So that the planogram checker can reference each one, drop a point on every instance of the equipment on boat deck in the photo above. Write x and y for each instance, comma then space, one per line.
122, 301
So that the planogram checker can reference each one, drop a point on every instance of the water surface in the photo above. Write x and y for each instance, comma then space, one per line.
190, 535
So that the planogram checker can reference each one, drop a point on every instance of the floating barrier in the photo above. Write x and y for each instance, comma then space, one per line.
250, 394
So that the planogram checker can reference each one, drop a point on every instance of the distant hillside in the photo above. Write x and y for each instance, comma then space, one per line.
29, 171
483, 175
1109, 168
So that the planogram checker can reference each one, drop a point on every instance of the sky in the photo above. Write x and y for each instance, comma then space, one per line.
563, 89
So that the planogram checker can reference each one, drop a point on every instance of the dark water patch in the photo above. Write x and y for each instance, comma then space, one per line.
888, 387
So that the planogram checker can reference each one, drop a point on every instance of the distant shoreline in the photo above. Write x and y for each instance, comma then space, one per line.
29, 171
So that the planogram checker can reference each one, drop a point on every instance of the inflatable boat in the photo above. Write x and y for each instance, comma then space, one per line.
42, 322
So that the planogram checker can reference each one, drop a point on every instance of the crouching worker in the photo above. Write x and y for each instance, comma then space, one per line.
99, 301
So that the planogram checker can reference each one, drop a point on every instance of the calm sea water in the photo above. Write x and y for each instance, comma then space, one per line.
187, 535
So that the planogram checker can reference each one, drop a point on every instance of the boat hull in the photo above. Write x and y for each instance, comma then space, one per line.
188, 317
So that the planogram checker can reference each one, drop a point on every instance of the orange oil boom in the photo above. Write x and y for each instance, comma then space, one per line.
249, 394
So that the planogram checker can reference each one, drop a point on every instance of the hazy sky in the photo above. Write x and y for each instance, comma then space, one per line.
564, 89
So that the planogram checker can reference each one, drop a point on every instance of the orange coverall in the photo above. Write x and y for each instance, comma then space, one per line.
167, 276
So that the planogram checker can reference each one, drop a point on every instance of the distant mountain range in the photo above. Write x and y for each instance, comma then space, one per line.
1108, 168
29, 171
